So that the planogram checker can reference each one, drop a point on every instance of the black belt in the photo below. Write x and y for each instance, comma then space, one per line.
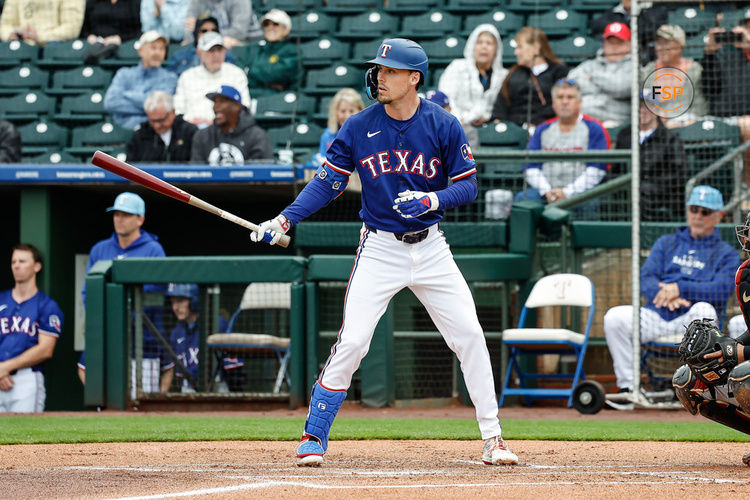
409, 238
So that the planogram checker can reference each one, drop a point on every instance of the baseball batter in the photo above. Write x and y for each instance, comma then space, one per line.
415, 163
30, 323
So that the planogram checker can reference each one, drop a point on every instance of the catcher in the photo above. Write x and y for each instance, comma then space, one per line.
715, 381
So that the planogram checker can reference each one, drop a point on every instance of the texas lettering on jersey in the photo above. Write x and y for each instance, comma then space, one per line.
382, 162
18, 324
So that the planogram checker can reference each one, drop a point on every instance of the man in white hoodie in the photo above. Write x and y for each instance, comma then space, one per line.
472, 83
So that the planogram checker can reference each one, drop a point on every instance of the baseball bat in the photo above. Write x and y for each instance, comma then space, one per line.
134, 174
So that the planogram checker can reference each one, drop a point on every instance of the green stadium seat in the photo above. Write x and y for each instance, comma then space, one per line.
509, 45
28, 106
313, 25
705, 142
434, 76
733, 17
503, 135
507, 23
575, 49
560, 22
594, 6
693, 20
282, 107
534, 5
174, 47
126, 55
14, 53
321, 115
323, 51
367, 25
53, 157
433, 24
63, 54
290, 6
411, 6
105, 135
41, 137
307, 135
330, 80
364, 51
441, 52
344, 7
466, 6
694, 46
79, 80
80, 109
19, 79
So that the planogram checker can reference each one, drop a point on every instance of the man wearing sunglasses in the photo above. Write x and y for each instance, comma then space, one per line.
688, 275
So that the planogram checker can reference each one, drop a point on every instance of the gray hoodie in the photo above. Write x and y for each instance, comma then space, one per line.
247, 141
605, 87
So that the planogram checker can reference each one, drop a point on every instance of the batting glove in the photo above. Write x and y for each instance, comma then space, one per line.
415, 203
271, 231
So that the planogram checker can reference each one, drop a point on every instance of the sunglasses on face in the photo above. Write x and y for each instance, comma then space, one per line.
206, 30
705, 212
569, 81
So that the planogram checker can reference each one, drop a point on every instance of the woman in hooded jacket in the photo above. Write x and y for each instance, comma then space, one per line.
473, 83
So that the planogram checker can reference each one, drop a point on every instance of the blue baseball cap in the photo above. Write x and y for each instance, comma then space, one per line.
437, 97
227, 91
129, 203
706, 196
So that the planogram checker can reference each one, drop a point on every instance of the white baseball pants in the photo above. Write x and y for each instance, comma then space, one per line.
618, 328
27, 395
382, 267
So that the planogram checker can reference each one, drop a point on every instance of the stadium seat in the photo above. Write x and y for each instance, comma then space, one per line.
506, 135
509, 46
79, 80
733, 17
302, 135
441, 52
367, 25
571, 294
290, 6
321, 114
63, 54
507, 23
693, 20
434, 77
28, 106
105, 135
126, 55
534, 5
42, 137
558, 23
14, 53
19, 79
705, 142
323, 51
313, 25
694, 46
279, 108
364, 51
82, 109
466, 6
344, 7
575, 49
411, 6
433, 24
53, 157
330, 80
594, 6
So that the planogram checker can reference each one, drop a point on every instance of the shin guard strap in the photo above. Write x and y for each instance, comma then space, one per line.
324, 405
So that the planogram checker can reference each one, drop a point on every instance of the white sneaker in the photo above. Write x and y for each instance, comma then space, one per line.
497, 453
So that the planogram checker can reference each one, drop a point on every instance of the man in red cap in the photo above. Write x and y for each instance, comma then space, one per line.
605, 80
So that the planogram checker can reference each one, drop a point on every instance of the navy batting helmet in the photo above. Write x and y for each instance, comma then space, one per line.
187, 290
399, 53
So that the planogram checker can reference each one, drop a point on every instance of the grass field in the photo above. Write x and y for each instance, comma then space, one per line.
100, 429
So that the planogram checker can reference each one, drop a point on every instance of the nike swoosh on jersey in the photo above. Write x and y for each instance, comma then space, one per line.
373, 134
4, 306
180, 341
745, 298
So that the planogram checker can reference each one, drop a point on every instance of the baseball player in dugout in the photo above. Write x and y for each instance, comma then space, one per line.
415, 163
30, 323
715, 379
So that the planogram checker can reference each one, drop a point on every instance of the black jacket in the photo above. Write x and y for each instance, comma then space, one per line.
146, 145
10, 143
247, 141
726, 81
664, 173
522, 88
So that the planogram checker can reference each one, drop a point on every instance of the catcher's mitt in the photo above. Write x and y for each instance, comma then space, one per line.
701, 338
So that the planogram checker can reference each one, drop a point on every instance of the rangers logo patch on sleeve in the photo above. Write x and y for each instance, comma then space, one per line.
466, 152
54, 322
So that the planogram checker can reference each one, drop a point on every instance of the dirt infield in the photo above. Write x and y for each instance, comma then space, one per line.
383, 469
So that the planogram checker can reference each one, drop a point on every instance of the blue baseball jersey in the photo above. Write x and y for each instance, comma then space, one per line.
184, 341
21, 324
423, 153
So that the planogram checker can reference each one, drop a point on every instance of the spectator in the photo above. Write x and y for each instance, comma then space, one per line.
237, 21
568, 131
439, 98
648, 20
344, 104
234, 138
165, 137
272, 66
111, 22
670, 40
130, 240
473, 83
187, 57
605, 81
688, 275
185, 340
192, 86
30, 323
129, 88
727, 79
524, 97
53, 21
165, 16
664, 168
10, 143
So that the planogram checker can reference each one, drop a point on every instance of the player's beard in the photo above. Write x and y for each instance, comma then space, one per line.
384, 100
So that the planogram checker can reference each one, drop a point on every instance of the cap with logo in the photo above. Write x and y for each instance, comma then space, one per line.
619, 30
129, 203
437, 97
707, 197
148, 37
209, 40
671, 32
226, 91
277, 16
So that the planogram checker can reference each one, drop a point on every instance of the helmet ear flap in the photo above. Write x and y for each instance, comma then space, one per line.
371, 82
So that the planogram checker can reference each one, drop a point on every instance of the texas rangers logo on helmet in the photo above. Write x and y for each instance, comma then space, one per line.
385, 48
466, 152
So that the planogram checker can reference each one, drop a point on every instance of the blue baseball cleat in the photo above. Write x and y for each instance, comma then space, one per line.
309, 452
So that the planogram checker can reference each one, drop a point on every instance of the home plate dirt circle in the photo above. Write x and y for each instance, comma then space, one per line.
383, 469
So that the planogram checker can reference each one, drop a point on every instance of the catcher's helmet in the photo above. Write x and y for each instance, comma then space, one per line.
399, 53
743, 233
187, 290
